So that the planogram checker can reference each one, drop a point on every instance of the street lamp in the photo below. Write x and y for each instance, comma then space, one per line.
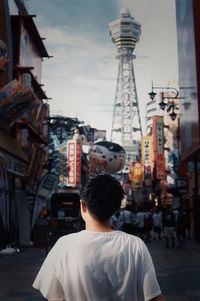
171, 106
168, 97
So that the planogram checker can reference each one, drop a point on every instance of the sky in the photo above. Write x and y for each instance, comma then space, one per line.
81, 77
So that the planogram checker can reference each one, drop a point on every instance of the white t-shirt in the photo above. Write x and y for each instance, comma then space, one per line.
98, 266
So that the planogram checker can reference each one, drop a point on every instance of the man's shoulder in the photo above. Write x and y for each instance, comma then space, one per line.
132, 239
70, 237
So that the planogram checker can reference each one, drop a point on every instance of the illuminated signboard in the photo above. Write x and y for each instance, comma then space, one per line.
136, 175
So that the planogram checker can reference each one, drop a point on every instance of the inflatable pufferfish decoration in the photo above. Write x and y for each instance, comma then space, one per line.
107, 156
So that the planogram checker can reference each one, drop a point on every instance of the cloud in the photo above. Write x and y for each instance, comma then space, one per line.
81, 75
78, 55
65, 36
61, 36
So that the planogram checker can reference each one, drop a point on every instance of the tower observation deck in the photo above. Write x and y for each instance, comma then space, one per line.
126, 123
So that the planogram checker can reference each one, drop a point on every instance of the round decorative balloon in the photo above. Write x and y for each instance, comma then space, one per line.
107, 156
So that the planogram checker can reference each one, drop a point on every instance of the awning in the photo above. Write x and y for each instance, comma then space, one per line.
10, 145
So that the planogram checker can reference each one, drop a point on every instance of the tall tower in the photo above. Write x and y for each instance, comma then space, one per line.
126, 124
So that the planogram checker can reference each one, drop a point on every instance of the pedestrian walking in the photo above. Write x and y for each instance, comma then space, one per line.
127, 220
98, 263
157, 225
181, 225
140, 223
188, 223
148, 225
115, 222
169, 224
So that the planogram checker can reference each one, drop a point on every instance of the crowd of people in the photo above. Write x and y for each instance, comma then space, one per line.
172, 225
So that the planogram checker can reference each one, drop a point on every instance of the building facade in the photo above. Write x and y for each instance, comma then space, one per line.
22, 118
188, 27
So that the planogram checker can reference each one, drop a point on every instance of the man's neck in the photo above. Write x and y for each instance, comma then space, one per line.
96, 226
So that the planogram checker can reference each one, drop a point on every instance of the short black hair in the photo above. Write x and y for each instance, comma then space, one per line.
103, 195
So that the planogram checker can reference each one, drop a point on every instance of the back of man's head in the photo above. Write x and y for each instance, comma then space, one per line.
103, 196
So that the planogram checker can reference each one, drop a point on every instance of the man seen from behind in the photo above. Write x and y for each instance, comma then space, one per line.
99, 263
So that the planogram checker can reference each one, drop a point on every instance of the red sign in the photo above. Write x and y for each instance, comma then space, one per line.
73, 162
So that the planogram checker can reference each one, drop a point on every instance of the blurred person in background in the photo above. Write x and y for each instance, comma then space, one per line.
157, 224
169, 224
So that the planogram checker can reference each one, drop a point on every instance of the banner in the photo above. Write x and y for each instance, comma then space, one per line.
136, 175
73, 162
147, 159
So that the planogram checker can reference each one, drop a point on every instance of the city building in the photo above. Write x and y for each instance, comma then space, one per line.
188, 27
23, 112
166, 185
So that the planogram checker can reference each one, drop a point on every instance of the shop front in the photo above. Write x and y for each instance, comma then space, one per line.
13, 165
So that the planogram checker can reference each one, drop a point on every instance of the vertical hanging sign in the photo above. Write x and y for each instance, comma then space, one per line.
73, 162
126, 120
158, 143
147, 159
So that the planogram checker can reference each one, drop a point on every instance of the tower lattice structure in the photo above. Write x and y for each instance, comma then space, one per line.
126, 124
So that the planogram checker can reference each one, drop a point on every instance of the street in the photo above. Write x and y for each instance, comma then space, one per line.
177, 270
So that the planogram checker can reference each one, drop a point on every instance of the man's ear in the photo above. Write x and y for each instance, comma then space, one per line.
83, 206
